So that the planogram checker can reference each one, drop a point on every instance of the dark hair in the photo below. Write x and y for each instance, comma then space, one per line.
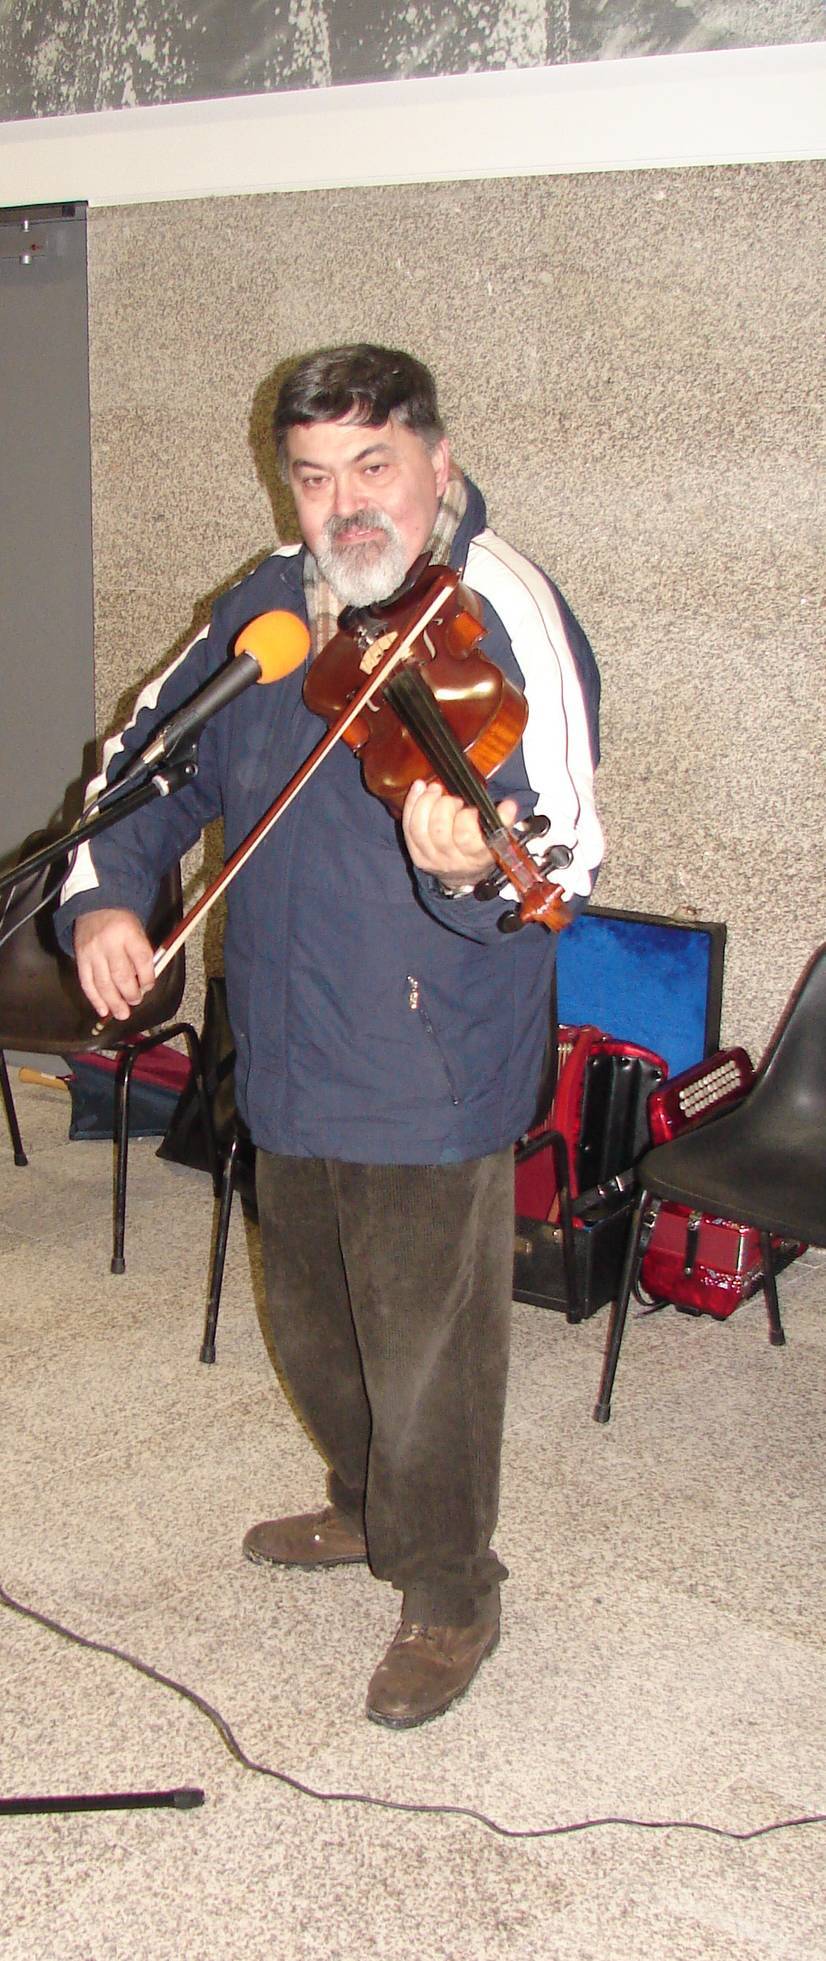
367, 383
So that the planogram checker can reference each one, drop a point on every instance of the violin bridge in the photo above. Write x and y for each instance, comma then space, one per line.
375, 653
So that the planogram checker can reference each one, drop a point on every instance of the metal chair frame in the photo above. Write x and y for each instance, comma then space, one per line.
43, 1010
761, 1162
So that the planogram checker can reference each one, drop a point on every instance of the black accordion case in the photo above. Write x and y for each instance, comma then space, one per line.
656, 984
600, 1111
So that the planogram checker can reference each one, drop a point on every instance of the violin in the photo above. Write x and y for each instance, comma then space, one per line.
447, 712
404, 684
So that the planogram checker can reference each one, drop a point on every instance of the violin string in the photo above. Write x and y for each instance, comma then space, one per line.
412, 699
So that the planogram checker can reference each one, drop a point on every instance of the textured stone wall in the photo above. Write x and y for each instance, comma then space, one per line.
629, 367
86, 54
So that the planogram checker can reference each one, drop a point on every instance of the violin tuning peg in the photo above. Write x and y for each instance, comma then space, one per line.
490, 887
557, 858
536, 826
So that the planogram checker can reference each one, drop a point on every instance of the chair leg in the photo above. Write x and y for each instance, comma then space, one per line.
640, 1234
196, 1059
11, 1114
123, 1080
559, 1151
219, 1255
776, 1335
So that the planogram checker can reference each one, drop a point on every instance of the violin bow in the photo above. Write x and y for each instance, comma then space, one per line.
378, 662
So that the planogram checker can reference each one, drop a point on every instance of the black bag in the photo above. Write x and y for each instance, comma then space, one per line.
184, 1141
159, 1079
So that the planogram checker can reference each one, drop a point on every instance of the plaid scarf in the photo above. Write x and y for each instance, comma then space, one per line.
324, 606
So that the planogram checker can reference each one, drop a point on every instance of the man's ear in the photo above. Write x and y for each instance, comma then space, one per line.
440, 458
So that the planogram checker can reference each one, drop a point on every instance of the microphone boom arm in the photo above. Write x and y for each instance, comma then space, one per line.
162, 783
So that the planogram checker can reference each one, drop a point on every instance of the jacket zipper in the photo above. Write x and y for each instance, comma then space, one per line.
417, 1007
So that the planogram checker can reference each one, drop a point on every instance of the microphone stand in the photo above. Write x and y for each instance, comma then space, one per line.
184, 1799
178, 768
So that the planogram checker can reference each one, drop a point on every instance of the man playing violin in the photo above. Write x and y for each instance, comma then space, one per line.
389, 1036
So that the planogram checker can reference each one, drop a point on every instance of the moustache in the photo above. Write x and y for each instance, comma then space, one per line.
337, 528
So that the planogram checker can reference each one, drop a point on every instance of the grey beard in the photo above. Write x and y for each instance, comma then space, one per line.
361, 574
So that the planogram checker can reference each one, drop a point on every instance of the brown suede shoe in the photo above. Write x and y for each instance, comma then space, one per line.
313, 1539
425, 1669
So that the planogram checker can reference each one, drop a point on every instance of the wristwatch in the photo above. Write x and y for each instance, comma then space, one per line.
451, 891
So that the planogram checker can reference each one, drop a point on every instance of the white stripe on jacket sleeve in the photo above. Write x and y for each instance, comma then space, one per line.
555, 744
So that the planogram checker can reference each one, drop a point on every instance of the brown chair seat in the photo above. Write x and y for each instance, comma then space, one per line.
44, 1011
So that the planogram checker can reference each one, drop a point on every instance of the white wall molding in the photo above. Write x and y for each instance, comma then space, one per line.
752, 105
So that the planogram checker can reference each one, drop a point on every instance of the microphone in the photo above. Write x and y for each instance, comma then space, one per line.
266, 649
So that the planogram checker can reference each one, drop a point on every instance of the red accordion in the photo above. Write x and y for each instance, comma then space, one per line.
702, 1264
598, 1118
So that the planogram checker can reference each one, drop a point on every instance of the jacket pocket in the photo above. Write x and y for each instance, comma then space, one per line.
417, 1006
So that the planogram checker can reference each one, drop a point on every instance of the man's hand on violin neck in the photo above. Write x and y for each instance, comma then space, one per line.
115, 962
444, 837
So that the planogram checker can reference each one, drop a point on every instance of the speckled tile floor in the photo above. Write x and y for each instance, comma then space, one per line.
662, 1653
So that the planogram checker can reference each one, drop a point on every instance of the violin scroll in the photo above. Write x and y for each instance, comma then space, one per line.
555, 858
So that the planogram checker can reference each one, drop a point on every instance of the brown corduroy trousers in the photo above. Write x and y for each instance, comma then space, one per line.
389, 1292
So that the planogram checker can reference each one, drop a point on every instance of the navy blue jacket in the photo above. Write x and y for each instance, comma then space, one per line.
375, 1020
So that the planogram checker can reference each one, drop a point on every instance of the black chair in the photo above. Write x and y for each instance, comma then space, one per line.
238, 1169
43, 1010
761, 1162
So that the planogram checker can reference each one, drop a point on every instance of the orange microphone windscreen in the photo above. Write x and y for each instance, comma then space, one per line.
278, 641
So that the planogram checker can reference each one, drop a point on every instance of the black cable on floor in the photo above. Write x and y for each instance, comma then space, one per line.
396, 1804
